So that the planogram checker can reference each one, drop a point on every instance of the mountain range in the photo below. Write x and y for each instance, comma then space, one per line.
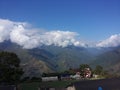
52, 58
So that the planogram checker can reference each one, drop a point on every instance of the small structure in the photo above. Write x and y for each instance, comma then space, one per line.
65, 76
95, 76
52, 78
76, 76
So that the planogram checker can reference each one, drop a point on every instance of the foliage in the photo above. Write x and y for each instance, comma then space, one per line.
10, 71
83, 67
101, 72
98, 70
35, 85
29, 86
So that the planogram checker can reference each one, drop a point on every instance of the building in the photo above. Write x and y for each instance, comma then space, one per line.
76, 76
51, 78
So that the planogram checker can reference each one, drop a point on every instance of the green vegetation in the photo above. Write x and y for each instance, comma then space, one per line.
57, 83
35, 85
99, 70
109, 60
29, 86
51, 58
10, 71
83, 67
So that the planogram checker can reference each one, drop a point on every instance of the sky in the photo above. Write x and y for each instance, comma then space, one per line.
92, 20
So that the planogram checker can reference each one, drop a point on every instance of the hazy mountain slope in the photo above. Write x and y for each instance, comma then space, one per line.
110, 60
70, 56
35, 68
30, 63
56, 58
53, 58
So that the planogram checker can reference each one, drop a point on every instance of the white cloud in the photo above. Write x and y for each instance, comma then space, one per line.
4, 31
17, 32
6, 26
21, 34
60, 38
113, 41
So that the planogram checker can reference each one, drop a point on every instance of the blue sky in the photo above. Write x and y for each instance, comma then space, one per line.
92, 19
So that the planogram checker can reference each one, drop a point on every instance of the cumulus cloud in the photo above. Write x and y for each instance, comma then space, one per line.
17, 32
4, 31
21, 34
113, 41
6, 27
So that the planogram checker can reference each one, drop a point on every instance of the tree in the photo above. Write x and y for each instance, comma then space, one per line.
101, 72
98, 70
82, 69
10, 71
83, 66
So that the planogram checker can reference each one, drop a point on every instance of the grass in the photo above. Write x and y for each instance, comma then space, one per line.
57, 83
35, 85
30, 86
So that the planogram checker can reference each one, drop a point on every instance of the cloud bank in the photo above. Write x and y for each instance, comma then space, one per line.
112, 41
21, 34
17, 32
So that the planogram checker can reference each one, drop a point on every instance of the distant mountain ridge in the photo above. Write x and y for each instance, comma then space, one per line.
110, 60
52, 58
